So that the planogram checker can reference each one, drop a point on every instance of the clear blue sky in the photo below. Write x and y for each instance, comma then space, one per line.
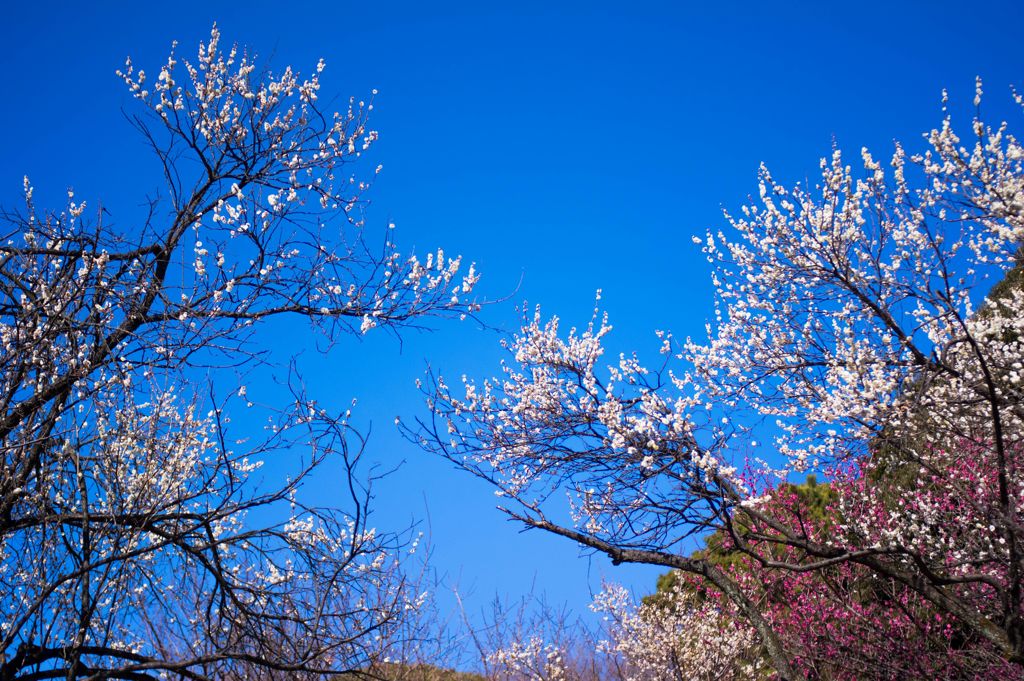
575, 146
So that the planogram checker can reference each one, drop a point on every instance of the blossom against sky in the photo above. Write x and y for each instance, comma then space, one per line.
562, 149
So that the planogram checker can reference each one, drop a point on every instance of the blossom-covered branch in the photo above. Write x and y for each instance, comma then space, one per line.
856, 331
138, 535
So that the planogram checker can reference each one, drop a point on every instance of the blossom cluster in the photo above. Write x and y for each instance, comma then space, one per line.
856, 335
142, 531
676, 636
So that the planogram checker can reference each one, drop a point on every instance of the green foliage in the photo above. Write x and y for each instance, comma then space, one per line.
814, 500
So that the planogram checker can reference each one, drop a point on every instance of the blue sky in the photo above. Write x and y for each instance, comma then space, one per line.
564, 147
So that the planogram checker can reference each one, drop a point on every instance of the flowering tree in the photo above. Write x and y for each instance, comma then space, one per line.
853, 332
844, 621
676, 637
136, 538
533, 640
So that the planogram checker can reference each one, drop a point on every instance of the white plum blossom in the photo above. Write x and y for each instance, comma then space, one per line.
675, 637
141, 533
855, 328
